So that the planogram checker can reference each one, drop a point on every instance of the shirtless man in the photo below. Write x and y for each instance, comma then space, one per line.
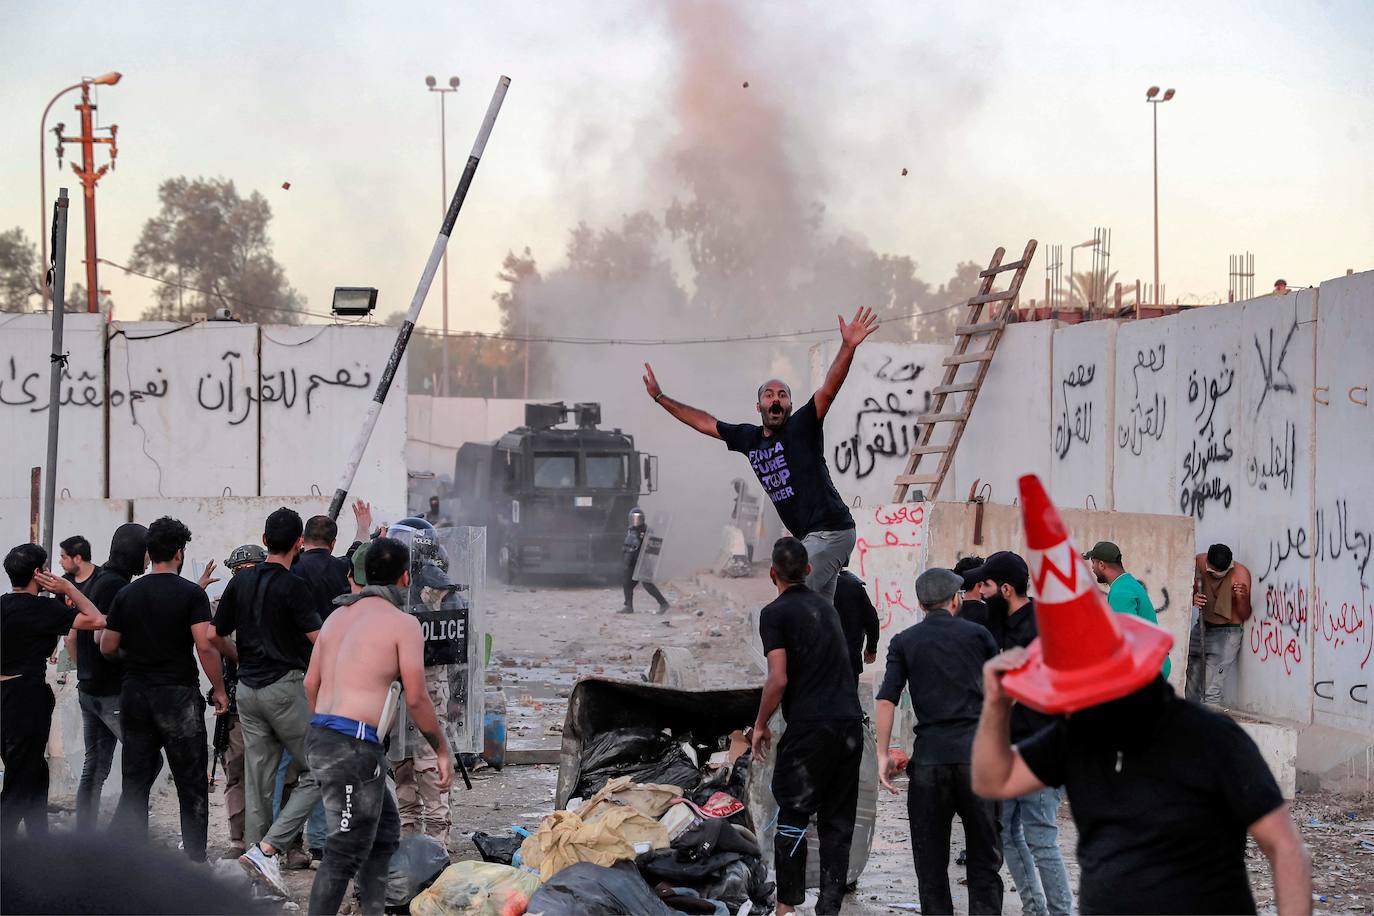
365, 645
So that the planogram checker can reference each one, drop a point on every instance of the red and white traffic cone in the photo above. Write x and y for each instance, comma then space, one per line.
1085, 654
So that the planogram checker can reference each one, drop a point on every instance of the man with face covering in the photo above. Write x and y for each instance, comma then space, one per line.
1163, 791
634, 544
787, 454
98, 678
1221, 594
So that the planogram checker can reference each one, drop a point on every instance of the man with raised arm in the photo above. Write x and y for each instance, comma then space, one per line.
787, 454
364, 646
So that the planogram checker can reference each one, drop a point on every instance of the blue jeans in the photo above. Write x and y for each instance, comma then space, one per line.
1212, 653
100, 726
315, 832
1030, 845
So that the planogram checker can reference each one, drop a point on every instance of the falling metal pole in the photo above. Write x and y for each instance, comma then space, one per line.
59, 360
417, 301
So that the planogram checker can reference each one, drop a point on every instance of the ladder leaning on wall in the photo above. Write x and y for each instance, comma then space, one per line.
986, 319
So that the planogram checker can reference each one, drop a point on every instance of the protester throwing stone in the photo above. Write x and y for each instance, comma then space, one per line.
1162, 790
787, 454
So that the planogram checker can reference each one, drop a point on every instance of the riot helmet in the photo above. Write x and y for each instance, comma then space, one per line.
428, 559
637, 518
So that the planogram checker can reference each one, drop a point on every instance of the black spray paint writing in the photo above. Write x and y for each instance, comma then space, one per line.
1145, 418
881, 430
1075, 421
1275, 376
281, 387
1329, 539
1279, 462
1210, 447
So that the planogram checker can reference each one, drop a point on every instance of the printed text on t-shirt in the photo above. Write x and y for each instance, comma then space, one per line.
770, 464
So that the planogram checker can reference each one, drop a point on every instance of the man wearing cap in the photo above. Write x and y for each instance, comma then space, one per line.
787, 454
245, 556
940, 660
1126, 594
972, 606
1030, 822
1163, 791
1221, 594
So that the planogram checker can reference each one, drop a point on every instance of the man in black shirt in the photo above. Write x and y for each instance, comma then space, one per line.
98, 678
326, 574
973, 607
30, 626
273, 613
154, 625
858, 620
788, 456
75, 557
817, 769
941, 661
1030, 824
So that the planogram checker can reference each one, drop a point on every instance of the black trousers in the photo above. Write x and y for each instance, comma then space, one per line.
165, 720
364, 825
938, 793
629, 584
816, 774
26, 705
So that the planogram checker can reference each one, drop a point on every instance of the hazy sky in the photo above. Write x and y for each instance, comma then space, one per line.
1014, 120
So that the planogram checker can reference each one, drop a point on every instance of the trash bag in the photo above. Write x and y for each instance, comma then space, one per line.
643, 754
476, 889
500, 849
587, 888
731, 877
414, 866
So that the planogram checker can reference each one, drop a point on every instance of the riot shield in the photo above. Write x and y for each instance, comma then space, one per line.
646, 568
447, 586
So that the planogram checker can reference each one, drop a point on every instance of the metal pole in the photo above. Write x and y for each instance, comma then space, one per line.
443, 197
43, 191
59, 360
355, 456
1154, 107
88, 180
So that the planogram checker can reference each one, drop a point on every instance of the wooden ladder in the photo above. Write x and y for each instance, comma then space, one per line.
980, 321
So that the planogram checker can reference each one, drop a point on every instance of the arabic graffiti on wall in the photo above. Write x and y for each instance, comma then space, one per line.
1075, 420
1204, 476
1142, 422
889, 552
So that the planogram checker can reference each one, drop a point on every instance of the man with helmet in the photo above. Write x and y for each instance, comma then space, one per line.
421, 797
245, 556
634, 544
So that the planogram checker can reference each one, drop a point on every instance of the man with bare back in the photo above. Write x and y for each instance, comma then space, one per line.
787, 454
364, 646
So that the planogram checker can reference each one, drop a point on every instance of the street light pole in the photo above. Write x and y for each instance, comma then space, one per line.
43, 194
1155, 103
432, 83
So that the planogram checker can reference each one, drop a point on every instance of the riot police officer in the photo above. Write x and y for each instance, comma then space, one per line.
634, 543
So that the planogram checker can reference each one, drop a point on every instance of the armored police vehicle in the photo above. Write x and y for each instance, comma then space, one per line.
553, 498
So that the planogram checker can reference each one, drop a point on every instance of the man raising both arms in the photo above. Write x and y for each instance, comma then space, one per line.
364, 646
788, 455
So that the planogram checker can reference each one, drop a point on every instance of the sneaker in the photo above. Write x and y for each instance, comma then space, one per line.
296, 859
263, 868
235, 849
627, 609
663, 608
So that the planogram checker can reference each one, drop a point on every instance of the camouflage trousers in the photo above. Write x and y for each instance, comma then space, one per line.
423, 806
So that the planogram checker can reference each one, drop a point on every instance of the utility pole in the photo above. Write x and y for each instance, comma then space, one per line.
434, 86
89, 175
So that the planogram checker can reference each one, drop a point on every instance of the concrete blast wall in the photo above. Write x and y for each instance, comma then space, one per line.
1250, 424
211, 409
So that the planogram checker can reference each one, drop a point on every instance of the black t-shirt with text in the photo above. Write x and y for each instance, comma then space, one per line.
942, 659
820, 683
154, 616
30, 626
270, 610
1162, 825
96, 674
790, 465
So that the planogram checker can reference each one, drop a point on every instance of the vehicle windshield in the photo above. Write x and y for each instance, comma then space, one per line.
555, 472
608, 472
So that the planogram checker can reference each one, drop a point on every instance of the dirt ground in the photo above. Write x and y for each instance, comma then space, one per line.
545, 638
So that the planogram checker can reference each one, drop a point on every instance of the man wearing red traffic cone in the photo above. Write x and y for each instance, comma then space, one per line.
1162, 791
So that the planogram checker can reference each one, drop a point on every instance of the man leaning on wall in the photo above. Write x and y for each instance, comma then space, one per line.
1221, 594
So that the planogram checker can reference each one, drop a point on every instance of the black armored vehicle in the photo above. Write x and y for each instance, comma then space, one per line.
553, 498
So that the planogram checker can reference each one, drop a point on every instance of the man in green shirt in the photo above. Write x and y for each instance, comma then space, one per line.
1126, 595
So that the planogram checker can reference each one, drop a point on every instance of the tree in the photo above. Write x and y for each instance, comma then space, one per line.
76, 301
1092, 287
19, 271
210, 248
